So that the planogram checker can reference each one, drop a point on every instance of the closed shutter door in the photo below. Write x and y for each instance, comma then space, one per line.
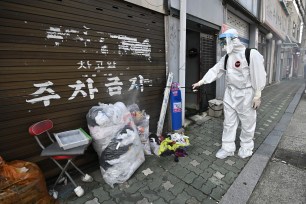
262, 47
241, 26
60, 58
208, 60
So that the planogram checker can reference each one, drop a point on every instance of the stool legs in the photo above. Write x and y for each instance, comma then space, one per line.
85, 177
62, 172
78, 189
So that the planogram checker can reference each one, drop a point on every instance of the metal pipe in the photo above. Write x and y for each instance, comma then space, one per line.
290, 44
182, 59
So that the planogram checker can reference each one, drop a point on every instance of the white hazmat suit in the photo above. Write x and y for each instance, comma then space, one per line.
244, 84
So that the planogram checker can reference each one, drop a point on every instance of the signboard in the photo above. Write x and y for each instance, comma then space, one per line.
275, 17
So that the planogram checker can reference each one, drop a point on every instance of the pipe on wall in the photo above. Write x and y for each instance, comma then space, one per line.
182, 59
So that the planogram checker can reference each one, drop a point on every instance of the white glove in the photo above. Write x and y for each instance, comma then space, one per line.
194, 86
256, 100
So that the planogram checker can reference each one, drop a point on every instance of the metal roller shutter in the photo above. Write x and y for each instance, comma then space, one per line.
60, 58
241, 26
207, 60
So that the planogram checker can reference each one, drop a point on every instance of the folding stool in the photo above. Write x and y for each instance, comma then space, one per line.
55, 152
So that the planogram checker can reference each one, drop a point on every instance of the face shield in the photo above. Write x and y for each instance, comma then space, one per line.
226, 41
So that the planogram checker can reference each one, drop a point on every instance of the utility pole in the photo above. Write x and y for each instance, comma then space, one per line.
302, 7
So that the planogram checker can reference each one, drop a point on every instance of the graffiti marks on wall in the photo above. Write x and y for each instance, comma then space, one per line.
78, 89
132, 46
126, 45
43, 88
114, 87
85, 87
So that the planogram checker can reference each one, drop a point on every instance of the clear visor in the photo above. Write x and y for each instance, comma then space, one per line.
225, 41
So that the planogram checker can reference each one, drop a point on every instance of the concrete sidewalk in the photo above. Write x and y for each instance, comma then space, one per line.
241, 190
201, 177
284, 180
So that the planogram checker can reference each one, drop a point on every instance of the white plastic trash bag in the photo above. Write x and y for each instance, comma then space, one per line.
141, 120
116, 141
143, 131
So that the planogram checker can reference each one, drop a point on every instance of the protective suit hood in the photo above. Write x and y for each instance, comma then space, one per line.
237, 46
230, 42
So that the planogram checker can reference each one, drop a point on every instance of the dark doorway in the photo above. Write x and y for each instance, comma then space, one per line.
192, 69
207, 60
200, 57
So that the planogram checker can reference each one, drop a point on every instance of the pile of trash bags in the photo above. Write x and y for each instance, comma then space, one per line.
22, 182
116, 141
141, 120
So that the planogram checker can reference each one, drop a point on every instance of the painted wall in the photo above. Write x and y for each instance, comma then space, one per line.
205, 10
250, 5
173, 45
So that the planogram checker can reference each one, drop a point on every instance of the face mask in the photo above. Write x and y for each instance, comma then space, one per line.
224, 48
229, 47
227, 44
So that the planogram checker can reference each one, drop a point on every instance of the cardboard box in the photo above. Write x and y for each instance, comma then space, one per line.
72, 138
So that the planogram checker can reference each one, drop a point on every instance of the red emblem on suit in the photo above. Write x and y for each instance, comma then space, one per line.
237, 64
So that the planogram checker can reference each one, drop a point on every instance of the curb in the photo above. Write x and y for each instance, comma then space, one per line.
243, 186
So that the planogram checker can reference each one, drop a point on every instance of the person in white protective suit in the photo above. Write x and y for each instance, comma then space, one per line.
244, 84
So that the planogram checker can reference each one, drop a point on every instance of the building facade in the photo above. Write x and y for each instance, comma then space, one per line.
271, 26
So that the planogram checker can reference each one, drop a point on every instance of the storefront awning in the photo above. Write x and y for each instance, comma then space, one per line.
290, 40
